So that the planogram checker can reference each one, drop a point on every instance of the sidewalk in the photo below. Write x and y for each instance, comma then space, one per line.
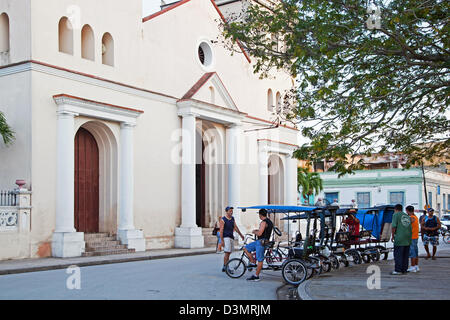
431, 282
33, 265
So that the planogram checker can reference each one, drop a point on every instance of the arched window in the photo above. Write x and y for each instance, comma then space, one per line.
278, 102
4, 32
270, 100
65, 32
108, 49
213, 95
87, 43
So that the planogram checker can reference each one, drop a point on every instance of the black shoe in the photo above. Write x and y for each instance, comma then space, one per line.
223, 269
253, 278
251, 265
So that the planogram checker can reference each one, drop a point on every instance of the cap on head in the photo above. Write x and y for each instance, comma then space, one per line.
228, 208
430, 210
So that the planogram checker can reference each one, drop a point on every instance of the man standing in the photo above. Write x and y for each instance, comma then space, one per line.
263, 234
431, 225
227, 226
320, 203
401, 236
414, 249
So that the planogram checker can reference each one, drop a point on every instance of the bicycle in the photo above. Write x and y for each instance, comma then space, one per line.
273, 260
445, 232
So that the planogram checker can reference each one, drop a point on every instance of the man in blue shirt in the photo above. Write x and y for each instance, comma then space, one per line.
430, 226
227, 227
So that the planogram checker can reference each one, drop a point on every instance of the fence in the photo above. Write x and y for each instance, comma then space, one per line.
15, 210
8, 198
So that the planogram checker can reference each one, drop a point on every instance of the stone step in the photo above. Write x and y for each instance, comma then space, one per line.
106, 247
107, 252
96, 244
91, 236
103, 244
94, 240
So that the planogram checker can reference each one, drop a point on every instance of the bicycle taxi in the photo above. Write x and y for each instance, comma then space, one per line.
369, 243
277, 255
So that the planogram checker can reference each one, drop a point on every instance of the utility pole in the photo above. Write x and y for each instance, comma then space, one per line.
425, 187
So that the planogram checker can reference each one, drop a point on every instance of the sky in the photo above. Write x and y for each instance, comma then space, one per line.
152, 6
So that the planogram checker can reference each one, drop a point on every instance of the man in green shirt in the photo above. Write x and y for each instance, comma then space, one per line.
402, 238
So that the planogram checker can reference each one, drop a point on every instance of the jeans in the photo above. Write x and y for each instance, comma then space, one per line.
401, 255
218, 238
258, 247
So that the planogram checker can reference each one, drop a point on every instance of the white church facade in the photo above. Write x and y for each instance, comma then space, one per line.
142, 128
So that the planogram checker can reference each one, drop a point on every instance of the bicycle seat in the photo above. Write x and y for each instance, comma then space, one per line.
270, 244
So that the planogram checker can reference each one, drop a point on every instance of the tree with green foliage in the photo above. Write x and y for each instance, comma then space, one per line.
372, 76
5, 131
309, 182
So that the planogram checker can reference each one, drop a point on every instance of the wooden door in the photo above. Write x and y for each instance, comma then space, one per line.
200, 192
86, 182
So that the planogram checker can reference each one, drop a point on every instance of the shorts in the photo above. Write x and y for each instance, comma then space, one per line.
434, 240
228, 245
414, 249
258, 247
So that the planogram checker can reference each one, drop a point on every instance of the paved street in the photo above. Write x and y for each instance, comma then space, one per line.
432, 282
192, 277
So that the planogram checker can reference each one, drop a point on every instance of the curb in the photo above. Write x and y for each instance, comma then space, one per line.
301, 290
101, 262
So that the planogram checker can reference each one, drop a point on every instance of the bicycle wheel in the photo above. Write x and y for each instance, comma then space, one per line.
365, 257
294, 272
316, 265
384, 253
375, 255
334, 261
353, 256
235, 268
446, 239
343, 260
325, 263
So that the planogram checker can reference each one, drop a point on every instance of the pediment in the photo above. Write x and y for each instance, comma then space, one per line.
210, 89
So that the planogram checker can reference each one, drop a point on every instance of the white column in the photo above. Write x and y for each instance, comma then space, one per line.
66, 242
188, 190
263, 158
234, 183
126, 177
290, 190
126, 232
188, 235
291, 181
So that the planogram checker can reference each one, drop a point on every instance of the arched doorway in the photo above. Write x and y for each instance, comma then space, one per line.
86, 182
210, 169
200, 177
